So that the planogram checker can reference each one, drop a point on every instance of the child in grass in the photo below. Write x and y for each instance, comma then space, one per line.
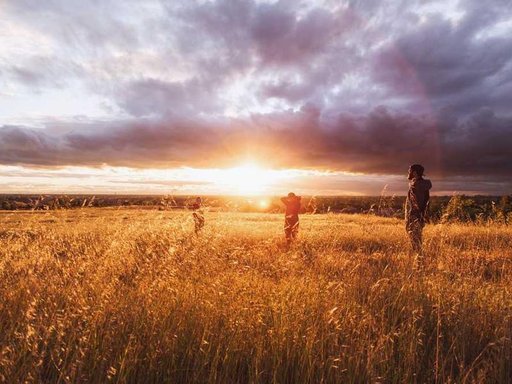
291, 218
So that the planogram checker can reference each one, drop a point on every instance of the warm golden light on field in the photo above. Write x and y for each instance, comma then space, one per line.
139, 291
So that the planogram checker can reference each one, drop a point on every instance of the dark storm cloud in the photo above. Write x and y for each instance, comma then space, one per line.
457, 65
381, 142
20, 145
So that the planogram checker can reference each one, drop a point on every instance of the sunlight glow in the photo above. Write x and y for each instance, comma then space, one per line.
248, 179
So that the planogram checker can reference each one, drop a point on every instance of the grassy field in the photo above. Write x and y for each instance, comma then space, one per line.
132, 296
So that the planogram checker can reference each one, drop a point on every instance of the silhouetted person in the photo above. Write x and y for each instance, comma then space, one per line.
416, 206
197, 214
291, 218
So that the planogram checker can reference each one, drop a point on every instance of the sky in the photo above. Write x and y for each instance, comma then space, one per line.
254, 96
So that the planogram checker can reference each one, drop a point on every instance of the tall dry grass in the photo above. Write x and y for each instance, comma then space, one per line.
130, 296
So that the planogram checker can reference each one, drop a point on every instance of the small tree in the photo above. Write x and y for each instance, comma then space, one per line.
504, 209
459, 208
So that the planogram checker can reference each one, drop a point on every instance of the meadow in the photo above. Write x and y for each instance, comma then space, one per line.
119, 295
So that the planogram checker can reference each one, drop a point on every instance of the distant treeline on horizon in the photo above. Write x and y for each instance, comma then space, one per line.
466, 208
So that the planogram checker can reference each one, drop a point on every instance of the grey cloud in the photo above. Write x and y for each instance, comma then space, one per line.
274, 33
84, 25
38, 72
286, 89
77, 37
221, 41
382, 142
218, 41
281, 37
146, 97
450, 63
20, 145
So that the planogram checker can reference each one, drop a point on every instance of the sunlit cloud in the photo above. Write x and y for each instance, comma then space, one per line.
243, 180
353, 90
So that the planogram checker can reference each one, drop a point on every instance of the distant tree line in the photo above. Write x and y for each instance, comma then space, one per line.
456, 208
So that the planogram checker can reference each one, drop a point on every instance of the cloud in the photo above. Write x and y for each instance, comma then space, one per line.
382, 142
361, 86
196, 56
146, 97
282, 37
452, 63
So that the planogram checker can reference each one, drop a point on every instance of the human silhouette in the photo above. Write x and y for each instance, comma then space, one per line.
291, 218
197, 214
416, 206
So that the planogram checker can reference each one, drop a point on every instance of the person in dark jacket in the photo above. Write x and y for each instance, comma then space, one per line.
197, 214
416, 206
291, 218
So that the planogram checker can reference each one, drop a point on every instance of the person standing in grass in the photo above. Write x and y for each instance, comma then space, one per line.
197, 214
416, 206
291, 218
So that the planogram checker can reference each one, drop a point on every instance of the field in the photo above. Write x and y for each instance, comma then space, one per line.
129, 296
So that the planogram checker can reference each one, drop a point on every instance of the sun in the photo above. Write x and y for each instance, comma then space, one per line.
248, 179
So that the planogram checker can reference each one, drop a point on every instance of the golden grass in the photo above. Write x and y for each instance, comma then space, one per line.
126, 296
